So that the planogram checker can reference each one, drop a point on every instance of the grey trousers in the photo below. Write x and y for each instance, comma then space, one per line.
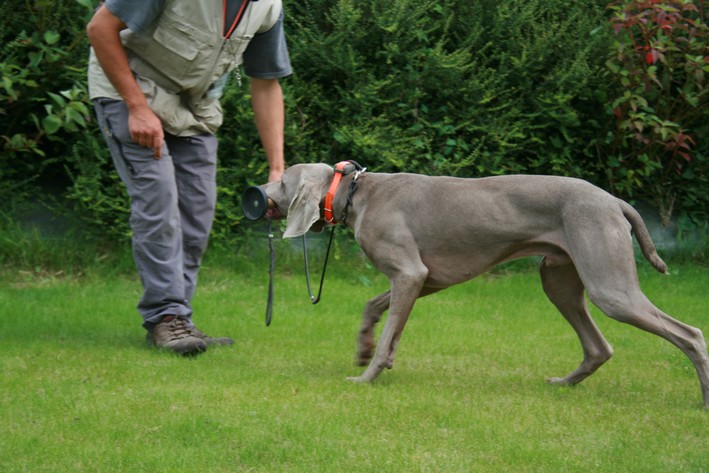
172, 209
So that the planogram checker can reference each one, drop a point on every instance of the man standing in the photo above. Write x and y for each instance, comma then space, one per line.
156, 72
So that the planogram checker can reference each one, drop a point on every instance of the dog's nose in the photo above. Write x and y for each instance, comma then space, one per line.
255, 203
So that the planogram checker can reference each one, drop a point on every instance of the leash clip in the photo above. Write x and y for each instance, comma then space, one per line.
357, 173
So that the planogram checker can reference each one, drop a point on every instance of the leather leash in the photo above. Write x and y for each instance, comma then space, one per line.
271, 268
314, 299
341, 169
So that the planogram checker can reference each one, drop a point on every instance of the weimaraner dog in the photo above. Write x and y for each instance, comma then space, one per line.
428, 233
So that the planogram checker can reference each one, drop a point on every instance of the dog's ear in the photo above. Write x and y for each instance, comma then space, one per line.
304, 210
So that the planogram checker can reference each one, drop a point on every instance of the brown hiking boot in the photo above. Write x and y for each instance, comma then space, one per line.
174, 333
210, 341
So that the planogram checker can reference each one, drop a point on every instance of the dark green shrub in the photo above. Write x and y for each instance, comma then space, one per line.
458, 87
42, 94
454, 87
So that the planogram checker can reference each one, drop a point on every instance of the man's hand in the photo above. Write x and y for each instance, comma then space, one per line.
146, 129
275, 175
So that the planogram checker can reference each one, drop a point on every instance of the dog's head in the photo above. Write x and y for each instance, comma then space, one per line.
298, 196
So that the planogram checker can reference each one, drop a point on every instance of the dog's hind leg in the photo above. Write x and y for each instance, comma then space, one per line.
633, 307
565, 290
603, 254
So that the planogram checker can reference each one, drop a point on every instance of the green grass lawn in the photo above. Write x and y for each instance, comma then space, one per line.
81, 392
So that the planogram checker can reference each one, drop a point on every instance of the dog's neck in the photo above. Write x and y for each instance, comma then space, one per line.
349, 172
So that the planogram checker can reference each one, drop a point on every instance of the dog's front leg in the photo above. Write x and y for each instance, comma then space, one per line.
384, 355
372, 313
405, 289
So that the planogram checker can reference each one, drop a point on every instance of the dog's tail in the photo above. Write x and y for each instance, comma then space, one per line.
643, 236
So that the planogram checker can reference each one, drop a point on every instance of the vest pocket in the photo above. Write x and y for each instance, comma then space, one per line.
177, 40
174, 49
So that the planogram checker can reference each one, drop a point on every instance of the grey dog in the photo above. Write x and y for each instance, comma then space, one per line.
428, 233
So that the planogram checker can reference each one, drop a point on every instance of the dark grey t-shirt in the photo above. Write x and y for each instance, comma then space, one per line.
266, 56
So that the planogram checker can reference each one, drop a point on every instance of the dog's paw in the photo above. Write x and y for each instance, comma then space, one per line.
364, 356
557, 381
356, 379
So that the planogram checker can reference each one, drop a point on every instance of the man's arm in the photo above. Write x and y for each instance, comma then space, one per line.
267, 102
104, 34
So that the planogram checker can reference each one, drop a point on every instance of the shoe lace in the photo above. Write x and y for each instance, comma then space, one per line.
179, 328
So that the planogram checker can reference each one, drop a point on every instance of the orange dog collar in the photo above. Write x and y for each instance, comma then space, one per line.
340, 170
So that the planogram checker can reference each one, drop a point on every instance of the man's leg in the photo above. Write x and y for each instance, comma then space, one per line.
195, 163
157, 233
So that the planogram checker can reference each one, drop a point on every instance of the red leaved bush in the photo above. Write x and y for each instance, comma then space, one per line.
660, 59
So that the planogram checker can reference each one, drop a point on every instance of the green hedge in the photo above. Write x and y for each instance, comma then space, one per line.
457, 87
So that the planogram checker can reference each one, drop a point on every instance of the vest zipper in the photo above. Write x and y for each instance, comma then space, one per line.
231, 30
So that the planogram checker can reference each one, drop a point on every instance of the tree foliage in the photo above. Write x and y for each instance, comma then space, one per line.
458, 87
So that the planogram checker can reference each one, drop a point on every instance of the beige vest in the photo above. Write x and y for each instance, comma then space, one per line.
182, 55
